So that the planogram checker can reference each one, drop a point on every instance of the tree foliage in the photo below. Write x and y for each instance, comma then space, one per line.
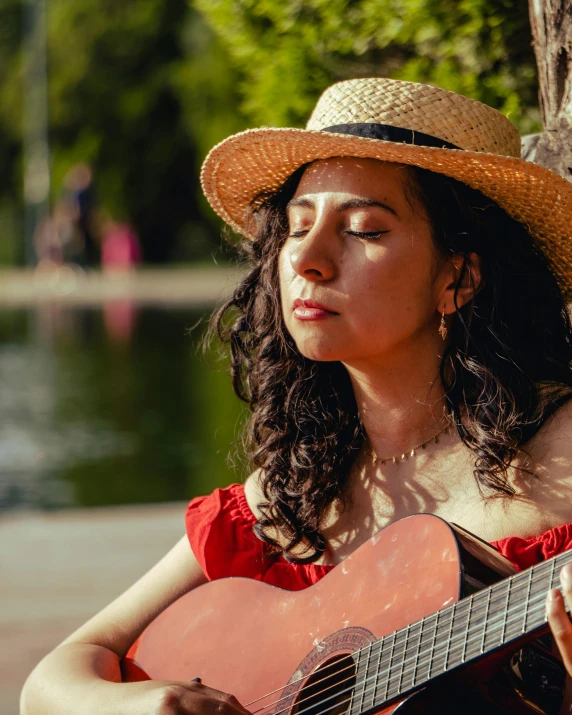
289, 51
139, 90
119, 102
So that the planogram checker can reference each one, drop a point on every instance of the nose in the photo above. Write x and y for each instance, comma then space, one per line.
313, 256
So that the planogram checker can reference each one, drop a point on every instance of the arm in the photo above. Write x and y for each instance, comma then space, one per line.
84, 669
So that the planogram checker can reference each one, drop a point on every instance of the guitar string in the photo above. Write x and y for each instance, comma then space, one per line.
491, 623
375, 678
347, 691
537, 571
379, 675
441, 650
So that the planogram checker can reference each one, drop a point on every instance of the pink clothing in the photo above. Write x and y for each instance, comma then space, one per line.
120, 247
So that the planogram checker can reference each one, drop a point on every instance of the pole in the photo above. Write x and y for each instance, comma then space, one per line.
35, 122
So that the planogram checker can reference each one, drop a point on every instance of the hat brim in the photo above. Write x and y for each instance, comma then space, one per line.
258, 161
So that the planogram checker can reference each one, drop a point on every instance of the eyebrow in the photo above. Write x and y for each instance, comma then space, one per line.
345, 205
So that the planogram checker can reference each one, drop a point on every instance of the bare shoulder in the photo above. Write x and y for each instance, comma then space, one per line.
550, 453
554, 439
253, 491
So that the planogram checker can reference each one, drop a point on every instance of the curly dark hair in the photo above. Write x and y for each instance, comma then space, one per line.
505, 370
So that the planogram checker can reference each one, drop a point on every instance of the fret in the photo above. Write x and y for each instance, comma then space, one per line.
412, 652
542, 580
495, 616
486, 614
460, 625
505, 612
403, 659
426, 643
475, 630
449, 635
357, 696
385, 665
433, 641
526, 600
513, 619
443, 629
377, 671
554, 582
372, 674
397, 663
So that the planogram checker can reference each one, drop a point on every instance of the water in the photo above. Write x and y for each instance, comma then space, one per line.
112, 405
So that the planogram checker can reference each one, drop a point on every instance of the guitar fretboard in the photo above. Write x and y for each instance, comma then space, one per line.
471, 628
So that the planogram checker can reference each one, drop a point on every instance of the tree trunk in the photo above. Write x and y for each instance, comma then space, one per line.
551, 24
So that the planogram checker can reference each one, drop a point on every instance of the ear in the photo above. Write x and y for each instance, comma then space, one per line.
464, 282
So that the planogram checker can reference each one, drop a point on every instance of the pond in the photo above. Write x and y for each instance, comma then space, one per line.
112, 405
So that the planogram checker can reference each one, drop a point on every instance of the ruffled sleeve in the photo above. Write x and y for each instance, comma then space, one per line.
219, 528
528, 552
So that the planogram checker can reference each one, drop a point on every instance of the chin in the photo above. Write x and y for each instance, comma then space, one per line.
319, 352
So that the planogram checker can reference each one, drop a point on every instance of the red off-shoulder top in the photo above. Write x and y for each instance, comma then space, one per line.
219, 527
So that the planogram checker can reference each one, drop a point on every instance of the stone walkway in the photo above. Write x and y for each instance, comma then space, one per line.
56, 570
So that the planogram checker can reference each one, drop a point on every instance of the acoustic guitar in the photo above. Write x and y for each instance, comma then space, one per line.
422, 618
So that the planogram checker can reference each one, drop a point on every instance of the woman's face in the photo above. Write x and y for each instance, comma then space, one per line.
360, 276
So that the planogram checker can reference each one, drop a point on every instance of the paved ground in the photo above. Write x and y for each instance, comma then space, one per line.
169, 286
56, 570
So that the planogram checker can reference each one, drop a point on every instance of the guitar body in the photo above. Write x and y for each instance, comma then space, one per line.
264, 644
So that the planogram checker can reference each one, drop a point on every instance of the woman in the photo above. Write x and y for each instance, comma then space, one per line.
404, 347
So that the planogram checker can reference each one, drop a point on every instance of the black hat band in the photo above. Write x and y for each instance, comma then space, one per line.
391, 134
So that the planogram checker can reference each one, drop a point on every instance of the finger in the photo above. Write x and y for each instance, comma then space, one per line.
214, 700
566, 582
560, 626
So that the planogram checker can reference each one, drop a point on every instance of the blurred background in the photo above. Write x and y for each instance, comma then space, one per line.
111, 260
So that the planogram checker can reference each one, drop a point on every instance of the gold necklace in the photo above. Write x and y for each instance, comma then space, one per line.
410, 452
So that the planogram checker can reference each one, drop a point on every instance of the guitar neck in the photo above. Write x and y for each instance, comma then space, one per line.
461, 633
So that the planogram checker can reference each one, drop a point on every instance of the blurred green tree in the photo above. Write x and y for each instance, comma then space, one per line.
140, 91
117, 100
289, 51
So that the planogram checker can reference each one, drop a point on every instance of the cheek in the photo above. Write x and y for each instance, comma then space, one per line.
394, 297
284, 266
285, 277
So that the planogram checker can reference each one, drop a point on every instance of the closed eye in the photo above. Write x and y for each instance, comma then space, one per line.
367, 234
298, 234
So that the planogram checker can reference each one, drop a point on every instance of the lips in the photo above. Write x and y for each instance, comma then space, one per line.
311, 310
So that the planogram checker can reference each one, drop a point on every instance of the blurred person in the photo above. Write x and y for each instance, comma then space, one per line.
47, 242
403, 343
56, 238
79, 194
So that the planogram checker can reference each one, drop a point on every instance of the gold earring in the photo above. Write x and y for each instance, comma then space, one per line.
442, 327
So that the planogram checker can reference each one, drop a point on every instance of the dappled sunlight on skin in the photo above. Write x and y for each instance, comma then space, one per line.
440, 481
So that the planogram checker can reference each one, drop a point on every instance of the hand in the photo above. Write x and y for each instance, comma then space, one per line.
156, 697
558, 618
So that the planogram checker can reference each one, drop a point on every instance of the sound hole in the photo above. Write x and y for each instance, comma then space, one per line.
329, 689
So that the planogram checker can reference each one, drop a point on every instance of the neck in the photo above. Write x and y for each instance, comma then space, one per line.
400, 401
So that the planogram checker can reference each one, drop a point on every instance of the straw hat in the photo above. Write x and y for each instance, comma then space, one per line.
408, 123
